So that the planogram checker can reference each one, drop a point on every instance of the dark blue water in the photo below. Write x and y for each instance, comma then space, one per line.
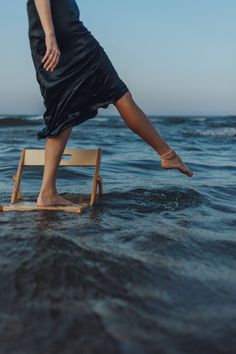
150, 269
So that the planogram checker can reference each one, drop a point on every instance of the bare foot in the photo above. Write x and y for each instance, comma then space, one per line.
172, 160
52, 200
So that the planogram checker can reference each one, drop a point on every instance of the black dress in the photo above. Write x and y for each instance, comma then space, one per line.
84, 78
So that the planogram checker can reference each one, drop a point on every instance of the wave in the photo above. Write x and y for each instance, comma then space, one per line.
204, 121
211, 121
143, 200
19, 120
227, 132
11, 121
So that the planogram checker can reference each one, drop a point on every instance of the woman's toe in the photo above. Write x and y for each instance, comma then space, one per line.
184, 169
188, 172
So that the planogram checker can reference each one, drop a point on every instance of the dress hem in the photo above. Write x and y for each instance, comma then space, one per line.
46, 133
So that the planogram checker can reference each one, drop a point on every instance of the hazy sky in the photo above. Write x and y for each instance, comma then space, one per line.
176, 56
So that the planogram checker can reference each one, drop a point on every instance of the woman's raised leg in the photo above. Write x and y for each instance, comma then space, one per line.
139, 123
54, 148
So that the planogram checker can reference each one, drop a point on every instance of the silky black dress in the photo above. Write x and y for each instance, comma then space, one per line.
84, 78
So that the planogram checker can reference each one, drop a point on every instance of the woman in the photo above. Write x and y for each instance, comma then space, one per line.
76, 77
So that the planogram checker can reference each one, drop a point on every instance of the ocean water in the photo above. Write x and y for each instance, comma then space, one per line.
151, 269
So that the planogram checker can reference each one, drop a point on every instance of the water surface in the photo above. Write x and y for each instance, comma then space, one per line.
150, 269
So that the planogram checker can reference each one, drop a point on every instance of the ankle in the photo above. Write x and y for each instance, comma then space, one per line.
163, 150
48, 192
171, 154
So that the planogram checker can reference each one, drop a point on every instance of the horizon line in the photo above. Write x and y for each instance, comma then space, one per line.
118, 115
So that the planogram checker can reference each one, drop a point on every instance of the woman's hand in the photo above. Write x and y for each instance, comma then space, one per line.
52, 55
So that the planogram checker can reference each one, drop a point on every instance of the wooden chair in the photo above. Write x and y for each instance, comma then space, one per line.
35, 157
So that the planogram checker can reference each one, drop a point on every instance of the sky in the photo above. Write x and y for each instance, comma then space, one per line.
177, 57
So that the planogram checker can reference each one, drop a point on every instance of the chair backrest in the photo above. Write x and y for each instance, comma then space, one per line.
35, 157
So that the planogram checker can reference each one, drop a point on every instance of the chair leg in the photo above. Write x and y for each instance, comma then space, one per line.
15, 192
93, 194
17, 178
100, 189
96, 178
98, 183
19, 196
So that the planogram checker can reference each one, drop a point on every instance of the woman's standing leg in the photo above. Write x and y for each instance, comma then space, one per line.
54, 148
139, 123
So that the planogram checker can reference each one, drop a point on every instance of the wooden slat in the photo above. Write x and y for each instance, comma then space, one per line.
35, 157
31, 206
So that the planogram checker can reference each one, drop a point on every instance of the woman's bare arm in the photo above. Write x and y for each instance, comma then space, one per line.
44, 10
52, 54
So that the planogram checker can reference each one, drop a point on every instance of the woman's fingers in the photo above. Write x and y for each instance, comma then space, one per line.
47, 58
54, 61
51, 59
